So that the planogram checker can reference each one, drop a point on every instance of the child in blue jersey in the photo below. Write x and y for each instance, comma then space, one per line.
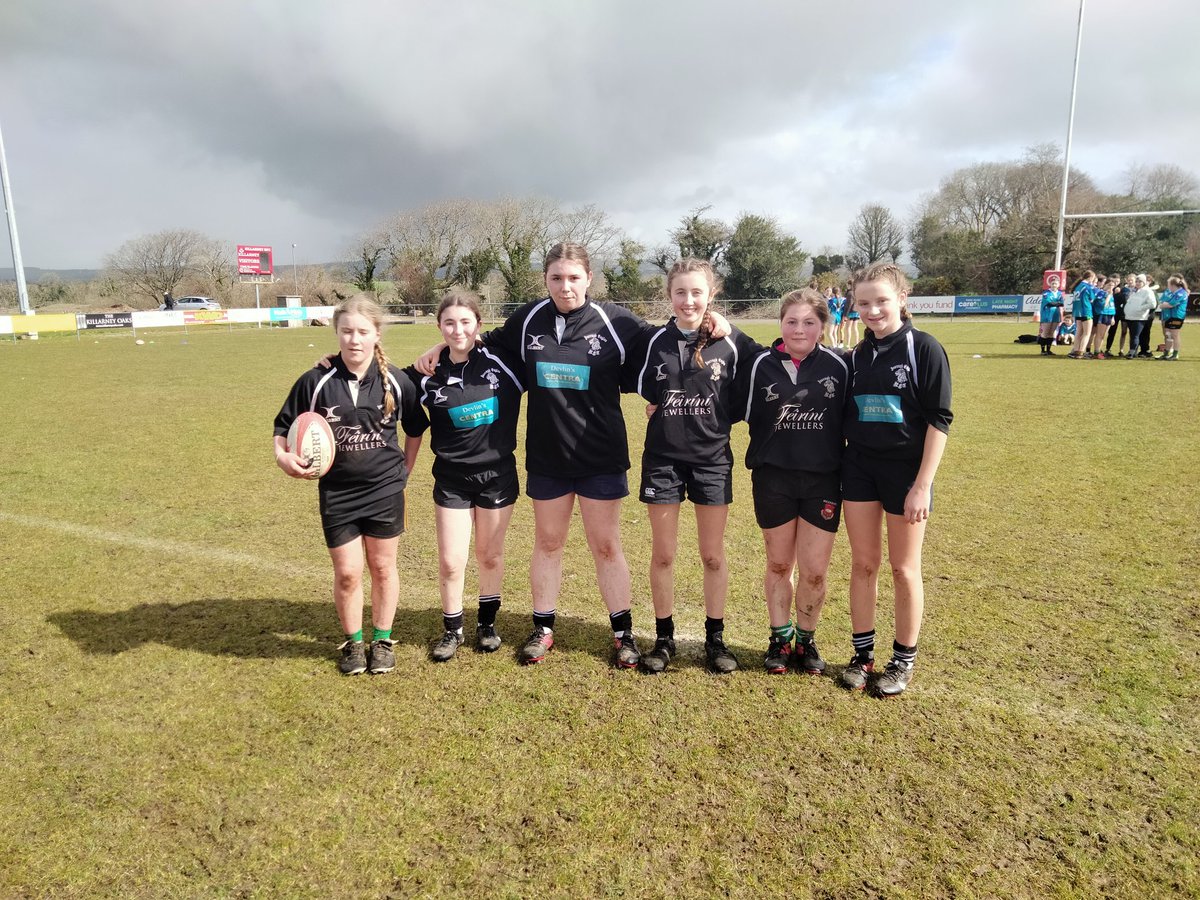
1050, 315
1104, 310
895, 435
1081, 309
688, 377
1173, 306
1064, 335
474, 399
834, 301
362, 396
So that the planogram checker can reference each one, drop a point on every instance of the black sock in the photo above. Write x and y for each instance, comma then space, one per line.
622, 622
902, 654
544, 621
864, 644
454, 622
713, 626
488, 607
665, 627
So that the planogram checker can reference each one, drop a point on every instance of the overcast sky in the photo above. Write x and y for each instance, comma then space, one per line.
273, 122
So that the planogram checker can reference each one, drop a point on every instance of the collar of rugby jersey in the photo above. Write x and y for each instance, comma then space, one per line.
882, 345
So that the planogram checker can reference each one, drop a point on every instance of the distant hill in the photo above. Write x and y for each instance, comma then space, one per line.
33, 275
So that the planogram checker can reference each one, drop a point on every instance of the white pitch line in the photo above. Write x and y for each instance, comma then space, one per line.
164, 547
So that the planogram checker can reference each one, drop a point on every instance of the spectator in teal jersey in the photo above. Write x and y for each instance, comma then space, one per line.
1050, 315
1173, 306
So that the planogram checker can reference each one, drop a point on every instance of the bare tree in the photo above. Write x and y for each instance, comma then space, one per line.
875, 234
433, 238
519, 232
155, 264
588, 225
1162, 185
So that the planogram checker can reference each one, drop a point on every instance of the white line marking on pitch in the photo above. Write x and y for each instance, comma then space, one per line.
167, 548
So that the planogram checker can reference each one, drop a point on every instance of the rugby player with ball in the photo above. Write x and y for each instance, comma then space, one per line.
361, 397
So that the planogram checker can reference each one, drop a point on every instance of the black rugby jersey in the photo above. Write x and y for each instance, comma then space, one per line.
697, 405
796, 414
573, 426
901, 386
473, 407
369, 463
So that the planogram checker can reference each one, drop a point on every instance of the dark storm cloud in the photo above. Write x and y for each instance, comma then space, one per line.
304, 122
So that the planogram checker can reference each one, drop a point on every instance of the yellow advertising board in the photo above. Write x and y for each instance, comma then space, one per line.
56, 322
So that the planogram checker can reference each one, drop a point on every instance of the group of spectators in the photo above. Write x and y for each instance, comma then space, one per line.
1105, 309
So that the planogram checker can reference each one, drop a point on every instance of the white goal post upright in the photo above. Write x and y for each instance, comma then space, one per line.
1062, 208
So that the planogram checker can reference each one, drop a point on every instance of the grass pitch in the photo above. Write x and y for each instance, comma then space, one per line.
173, 725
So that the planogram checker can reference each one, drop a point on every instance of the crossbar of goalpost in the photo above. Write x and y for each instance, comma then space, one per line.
1119, 215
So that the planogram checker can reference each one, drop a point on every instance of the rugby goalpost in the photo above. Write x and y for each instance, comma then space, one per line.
1062, 208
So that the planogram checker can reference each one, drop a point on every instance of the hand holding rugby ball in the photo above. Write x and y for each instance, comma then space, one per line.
311, 438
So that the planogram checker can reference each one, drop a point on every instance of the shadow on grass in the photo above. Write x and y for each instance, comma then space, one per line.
273, 628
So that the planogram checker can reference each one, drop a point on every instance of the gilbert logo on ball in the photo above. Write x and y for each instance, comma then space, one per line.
311, 438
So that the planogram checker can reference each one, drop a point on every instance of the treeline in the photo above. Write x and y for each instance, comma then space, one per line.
988, 228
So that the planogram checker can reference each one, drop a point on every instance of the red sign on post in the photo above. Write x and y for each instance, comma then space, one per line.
255, 260
1060, 274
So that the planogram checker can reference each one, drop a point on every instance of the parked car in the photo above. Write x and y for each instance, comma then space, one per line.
193, 303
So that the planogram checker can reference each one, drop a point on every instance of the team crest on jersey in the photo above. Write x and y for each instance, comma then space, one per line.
595, 344
330, 416
829, 510
535, 342
493, 378
770, 392
830, 384
716, 366
901, 373
439, 397
659, 374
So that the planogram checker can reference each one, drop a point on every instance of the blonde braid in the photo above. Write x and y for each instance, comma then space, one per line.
389, 399
703, 335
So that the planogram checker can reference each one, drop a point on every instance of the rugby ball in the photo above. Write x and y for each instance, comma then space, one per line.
311, 438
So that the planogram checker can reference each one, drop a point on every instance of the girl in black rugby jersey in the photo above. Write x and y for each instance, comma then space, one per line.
688, 379
473, 398
361, 395
795, 396
895, 435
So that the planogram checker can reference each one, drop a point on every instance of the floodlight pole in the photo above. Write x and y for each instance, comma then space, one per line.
1062, 207
18, 267
295, 277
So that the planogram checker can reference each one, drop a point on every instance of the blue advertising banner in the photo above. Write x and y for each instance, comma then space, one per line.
994, 303
288, 313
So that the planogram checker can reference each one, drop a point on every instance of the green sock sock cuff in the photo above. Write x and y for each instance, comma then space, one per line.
804, 637
787, 632
382, 634
356, 637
